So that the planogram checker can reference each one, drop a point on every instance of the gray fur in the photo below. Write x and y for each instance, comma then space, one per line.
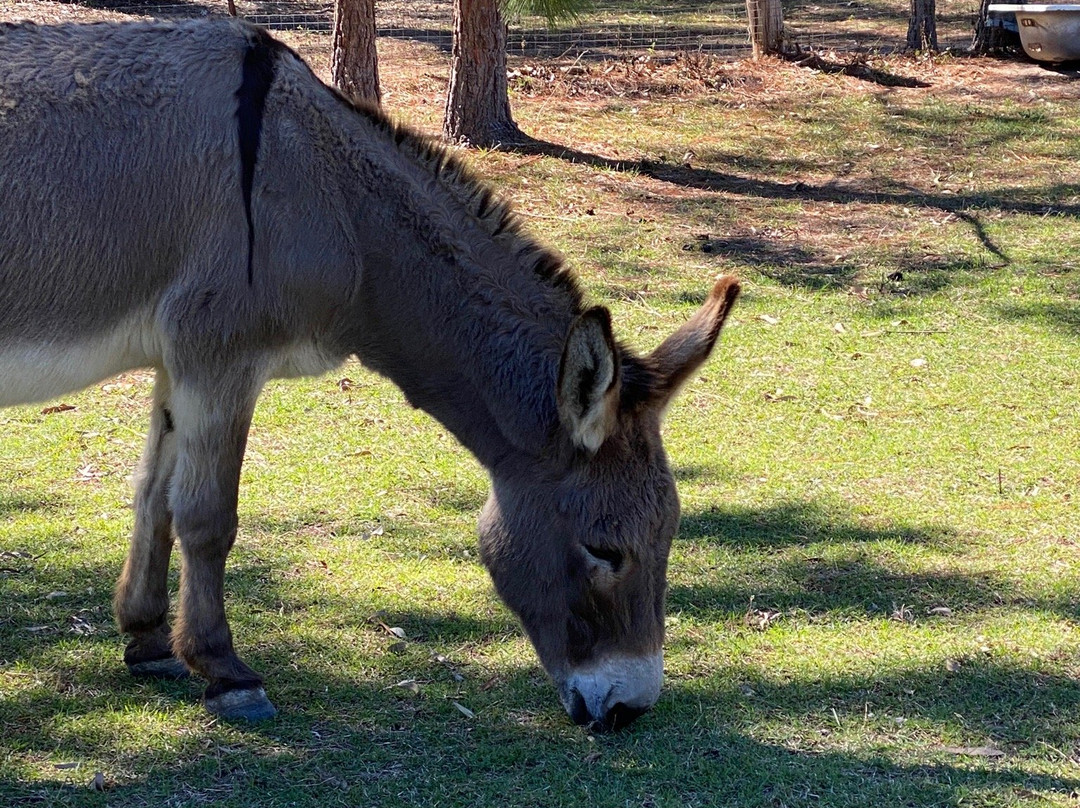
125, 230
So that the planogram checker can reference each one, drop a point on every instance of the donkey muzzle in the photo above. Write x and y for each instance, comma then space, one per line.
611, 693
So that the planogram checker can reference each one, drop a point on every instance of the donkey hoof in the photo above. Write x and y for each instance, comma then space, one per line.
165, 668
248, 704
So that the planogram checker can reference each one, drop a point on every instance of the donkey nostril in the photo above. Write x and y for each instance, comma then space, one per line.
579, 713
621, 715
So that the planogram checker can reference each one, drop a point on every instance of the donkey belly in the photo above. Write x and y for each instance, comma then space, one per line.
38, 371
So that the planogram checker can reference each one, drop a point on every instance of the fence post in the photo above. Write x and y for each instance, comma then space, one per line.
766, 19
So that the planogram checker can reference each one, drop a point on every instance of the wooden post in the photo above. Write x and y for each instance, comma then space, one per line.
766, 19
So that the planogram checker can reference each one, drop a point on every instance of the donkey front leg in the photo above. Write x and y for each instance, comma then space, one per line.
211, 419
141, 602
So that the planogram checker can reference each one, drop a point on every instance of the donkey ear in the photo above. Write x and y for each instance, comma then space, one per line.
681, 354
588, 390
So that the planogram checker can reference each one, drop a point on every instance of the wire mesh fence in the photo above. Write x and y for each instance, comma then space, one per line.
609, 29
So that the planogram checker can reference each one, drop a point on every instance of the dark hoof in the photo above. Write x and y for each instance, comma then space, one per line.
248, 704
165, 668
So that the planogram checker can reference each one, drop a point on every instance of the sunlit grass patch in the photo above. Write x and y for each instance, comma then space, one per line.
874, 595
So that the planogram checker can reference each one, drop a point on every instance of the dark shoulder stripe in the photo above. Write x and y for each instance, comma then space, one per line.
257, 76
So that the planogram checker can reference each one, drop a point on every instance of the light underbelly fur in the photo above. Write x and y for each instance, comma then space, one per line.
38, 371
32, 372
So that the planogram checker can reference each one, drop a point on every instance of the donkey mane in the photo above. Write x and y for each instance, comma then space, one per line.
494, 213
639, 379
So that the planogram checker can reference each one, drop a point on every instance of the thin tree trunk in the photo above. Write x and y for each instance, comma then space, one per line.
478, 100
922, 27
992, 38
766, 20
354, 64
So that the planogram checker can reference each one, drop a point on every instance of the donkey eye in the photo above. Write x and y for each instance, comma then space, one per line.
606, 554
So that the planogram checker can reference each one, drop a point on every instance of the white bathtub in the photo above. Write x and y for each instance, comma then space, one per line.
1048, 33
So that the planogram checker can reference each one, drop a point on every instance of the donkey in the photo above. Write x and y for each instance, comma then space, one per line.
189, 197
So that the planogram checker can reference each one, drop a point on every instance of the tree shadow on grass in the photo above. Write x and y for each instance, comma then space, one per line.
788, 264
706, 179
1063, 316
797, 522
820, 580
964, 206
999, 702
348, 735
13, 503
341, 739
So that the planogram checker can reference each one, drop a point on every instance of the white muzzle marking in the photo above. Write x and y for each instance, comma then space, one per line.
633, 682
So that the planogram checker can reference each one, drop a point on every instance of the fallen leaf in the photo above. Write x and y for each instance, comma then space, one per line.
918, 363
973, 751
778, 395
57, 408
465, 711
410, 685
397, 631
761, 619
66, 765
768, 319
839, 328
940, 611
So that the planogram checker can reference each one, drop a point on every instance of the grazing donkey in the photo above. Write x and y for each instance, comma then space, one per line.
190, 197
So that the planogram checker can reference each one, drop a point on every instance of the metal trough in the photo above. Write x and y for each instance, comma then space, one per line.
1048, 33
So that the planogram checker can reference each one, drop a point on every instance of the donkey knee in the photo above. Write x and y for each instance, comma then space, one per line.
205, 532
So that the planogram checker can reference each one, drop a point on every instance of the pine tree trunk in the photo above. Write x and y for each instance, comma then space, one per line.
478, 100
922, 27
766, 20
354, 64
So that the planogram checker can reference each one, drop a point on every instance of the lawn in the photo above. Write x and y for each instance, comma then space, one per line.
875, 591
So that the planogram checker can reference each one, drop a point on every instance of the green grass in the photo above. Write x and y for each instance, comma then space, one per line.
874, 596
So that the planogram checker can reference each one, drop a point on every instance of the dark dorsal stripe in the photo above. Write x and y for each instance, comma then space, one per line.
258, 74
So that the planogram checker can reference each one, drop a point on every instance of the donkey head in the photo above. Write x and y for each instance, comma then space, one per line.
578, 546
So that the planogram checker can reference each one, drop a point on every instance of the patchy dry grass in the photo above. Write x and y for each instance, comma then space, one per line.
875, 593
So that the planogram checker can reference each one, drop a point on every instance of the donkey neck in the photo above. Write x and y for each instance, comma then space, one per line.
461, 309
476, 359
